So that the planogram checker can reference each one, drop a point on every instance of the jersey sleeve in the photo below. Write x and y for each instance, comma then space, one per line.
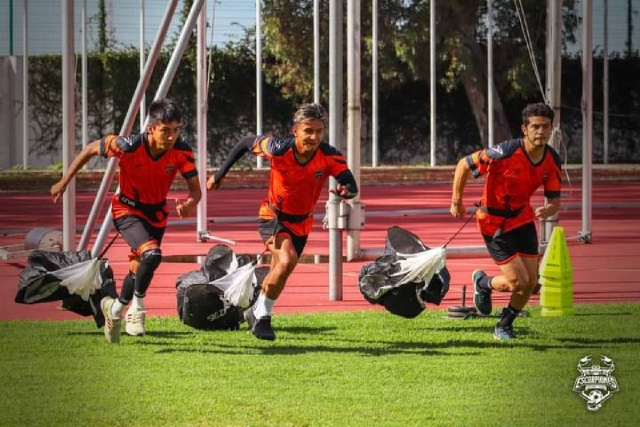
478, 163
113, 146
187, 163
553, 181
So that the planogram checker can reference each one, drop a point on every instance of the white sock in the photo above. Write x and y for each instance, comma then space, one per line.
137, 303
116, 309
263, 306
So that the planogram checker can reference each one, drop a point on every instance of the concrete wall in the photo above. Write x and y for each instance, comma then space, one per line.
11, 113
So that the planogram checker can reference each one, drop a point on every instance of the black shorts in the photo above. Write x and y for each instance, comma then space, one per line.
271, 227
137, 231
519, 241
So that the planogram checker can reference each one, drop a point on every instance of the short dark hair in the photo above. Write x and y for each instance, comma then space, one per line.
164, 110
539, 109
310, 111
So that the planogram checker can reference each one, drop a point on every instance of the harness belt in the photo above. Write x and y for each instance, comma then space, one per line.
154, 212
289, 217
504, 213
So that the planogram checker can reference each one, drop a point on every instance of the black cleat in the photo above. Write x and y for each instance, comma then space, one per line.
260, 328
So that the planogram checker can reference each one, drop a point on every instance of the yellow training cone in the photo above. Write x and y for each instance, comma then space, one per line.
555, 263
556, 277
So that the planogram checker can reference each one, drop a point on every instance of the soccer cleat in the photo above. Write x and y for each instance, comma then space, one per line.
503, 333
111, 325
481, 297
260, 328
135, 322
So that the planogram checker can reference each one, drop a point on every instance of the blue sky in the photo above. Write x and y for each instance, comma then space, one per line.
45, 28
229, 17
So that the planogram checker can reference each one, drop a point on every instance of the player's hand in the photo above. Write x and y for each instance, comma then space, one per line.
457, 209
542, 212
342, 191
57, 190
184, 207
212, 184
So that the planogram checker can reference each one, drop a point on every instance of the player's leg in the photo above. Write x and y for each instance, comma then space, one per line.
285, 248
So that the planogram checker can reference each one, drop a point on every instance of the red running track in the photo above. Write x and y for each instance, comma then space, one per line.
608, 269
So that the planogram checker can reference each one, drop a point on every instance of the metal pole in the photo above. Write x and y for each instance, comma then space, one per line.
587, 119
170, 72
554, 67
128, 123
335, 133
490, 123
25, 86
85, 131
11, 28
432, 78
259, 163
354, 113
605, 84
202, 107
374, 84
143, 113
68, 124
316, 51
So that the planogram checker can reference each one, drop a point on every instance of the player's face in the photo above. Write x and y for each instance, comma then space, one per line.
309, 135
163, 135
537, 131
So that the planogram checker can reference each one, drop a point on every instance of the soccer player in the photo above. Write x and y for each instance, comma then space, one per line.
148, 165
514, 170
300, 166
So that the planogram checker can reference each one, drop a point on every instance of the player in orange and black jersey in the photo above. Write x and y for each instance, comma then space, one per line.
513, 171
148, 164
300, 166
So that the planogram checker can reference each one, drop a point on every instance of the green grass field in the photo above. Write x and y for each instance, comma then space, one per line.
335, 369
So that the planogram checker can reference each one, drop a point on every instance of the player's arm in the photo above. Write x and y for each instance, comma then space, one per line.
551, 207
460, 178
91, 150
185, 207
347, 187
245, 145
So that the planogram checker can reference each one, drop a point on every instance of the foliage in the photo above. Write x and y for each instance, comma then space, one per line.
388, 371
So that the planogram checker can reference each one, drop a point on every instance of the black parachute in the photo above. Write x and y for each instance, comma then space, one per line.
201, 304
408, 275
71, 277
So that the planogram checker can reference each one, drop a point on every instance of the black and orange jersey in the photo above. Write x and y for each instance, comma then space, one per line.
145, 181
511, 179
294, 188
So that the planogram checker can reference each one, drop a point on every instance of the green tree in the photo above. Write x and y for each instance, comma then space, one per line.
403, 44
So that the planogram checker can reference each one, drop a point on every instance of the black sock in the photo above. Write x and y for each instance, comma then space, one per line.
508, 316
485, 283
126, 294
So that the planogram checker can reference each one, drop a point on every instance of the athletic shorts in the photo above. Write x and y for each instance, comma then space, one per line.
521, 241
137, 231
271, 227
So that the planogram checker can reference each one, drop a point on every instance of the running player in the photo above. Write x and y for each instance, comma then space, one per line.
514, 171
300, 166
148, 165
